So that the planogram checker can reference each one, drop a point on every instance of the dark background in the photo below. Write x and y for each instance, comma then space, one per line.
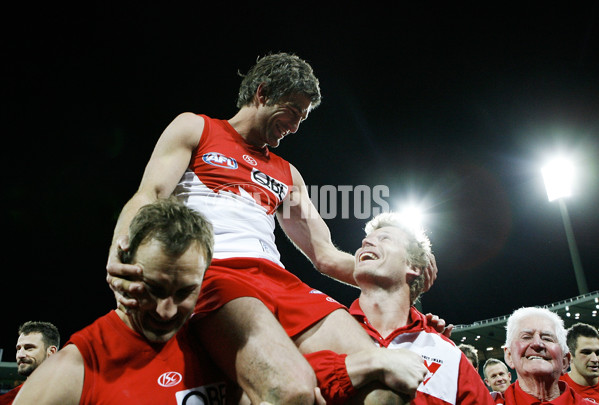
455, 107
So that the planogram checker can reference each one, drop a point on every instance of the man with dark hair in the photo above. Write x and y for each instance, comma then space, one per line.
389, 269
583, 343
147, 354
471, 354
225, 170
37, 341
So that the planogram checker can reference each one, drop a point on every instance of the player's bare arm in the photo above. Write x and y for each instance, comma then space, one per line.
302, 223
58, 380
167, 164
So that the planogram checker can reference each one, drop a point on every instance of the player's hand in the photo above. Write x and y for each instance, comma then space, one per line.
404, 372
123, 279
431, 273
439, 325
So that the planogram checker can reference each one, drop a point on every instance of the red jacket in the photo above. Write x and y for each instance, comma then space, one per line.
451, 378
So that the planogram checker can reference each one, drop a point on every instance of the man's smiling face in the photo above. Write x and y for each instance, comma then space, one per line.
535, 351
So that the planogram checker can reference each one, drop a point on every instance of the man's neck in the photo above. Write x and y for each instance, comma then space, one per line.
386, 311
582, 380
244, 123
544, 390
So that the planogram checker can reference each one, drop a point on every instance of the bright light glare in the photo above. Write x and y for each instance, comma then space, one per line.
558, 176
412, 216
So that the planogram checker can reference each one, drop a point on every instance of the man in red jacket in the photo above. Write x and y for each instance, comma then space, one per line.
536, 348
389, 270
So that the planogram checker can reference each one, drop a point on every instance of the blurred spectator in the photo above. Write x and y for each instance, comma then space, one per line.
36, 342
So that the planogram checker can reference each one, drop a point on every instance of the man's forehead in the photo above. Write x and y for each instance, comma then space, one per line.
587, 342
546, 330
298, 101
30, 337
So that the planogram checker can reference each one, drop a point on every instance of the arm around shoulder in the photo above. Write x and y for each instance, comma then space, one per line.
57, 381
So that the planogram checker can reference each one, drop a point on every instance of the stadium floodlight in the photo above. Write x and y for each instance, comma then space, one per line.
559, 177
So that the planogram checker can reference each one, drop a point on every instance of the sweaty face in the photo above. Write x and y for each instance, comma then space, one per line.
585, 360
498, 377
172, 286
31, 352
383, 255
283, 118
535, 351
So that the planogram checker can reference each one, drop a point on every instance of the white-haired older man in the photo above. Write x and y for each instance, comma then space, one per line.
536, 348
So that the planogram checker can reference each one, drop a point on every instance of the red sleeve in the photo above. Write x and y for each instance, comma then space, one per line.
471, 388
331, 373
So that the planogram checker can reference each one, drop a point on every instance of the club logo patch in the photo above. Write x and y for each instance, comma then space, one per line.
169, 379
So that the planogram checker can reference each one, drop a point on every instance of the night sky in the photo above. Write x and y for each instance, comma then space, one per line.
454, 107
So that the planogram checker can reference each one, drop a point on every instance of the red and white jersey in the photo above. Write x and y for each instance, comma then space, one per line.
588, 392
122, 367
451, 379
238, 187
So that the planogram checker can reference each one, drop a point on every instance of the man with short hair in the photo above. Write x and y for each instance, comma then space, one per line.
583, 342
497, 377
471, 354
389, 269
145, 355
536, 348
37, 341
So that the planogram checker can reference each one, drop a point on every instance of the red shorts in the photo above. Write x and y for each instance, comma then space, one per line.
296, 305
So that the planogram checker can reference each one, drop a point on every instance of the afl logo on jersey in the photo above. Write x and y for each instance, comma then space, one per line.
169, 379
220, 160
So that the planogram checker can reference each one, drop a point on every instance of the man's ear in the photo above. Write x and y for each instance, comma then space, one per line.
567, 359
413, 271
507, 356
261, 96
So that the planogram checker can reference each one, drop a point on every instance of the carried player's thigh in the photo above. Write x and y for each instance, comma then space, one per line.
338, 331
244, 319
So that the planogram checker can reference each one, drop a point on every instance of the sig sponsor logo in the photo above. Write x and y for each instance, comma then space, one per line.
212, 394
220, 160
169, 379
278, 188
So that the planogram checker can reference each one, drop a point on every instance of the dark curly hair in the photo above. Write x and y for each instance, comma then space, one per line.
283, 74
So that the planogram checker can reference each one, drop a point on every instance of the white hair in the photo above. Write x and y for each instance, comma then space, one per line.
519, 314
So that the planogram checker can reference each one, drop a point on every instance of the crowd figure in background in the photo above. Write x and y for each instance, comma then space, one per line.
497, 377
225, 170
583, 377
471, 354
145, 355
389, 270
536, 348
37, 341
